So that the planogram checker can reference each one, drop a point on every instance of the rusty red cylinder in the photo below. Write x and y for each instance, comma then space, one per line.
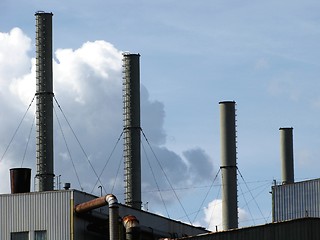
20, 179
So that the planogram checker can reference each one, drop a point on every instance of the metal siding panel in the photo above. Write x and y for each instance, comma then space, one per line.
296, 200
36, 211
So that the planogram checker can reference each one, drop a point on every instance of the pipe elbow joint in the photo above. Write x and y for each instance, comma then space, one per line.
112, 200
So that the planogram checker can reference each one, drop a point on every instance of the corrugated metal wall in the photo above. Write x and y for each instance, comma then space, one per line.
298, 200
299, 229
36, 211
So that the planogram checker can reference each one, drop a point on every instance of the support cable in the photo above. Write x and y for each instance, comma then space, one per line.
252, 195
155, 180
69, 153
201, 205
166, 176
108, 160
81, 147
247, 204
15, 132
265, 185
28, 140
211, 216
118, 170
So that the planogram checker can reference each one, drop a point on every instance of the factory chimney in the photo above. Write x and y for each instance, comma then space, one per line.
286, 153
44, 104
228, 165
131, 129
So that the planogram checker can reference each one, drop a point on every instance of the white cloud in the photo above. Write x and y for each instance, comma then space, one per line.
14, 60
86, 72
88, 87
213, 215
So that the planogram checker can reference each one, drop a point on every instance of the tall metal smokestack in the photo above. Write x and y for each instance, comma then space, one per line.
44, 97
131, 128
286, 152
228, 165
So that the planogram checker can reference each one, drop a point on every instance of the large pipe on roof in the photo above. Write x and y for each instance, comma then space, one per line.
228, 166
112, 202
44, 102
131, 224
286, 153
131, 129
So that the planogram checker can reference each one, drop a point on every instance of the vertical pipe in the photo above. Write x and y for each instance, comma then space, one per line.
112, 202
44, 104
228, 165
113, 217
286, 153
132, 227
131, 128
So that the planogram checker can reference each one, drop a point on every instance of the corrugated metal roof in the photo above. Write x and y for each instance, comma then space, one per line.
298, 229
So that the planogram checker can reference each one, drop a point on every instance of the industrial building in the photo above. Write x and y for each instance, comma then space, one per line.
296, 200
69, 214
60, 215
295, 205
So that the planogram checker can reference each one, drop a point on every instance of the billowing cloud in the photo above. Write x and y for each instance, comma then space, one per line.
213, 215
14, 63
88, 88
200, 165
14, 59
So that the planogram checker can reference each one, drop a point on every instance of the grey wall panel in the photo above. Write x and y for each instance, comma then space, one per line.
48, 211
296, 200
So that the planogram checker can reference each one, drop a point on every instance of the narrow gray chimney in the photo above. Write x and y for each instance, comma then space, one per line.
228, 165
44, 104
131, 128
286, 153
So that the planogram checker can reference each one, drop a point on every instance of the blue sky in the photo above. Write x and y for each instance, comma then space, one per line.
263, 55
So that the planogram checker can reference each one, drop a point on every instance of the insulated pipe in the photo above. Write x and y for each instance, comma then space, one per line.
112, 202
286, 153
132, 227
228, 165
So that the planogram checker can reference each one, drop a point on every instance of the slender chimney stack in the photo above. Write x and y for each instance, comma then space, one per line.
286, 152
131, 128
228, 165
44, 104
